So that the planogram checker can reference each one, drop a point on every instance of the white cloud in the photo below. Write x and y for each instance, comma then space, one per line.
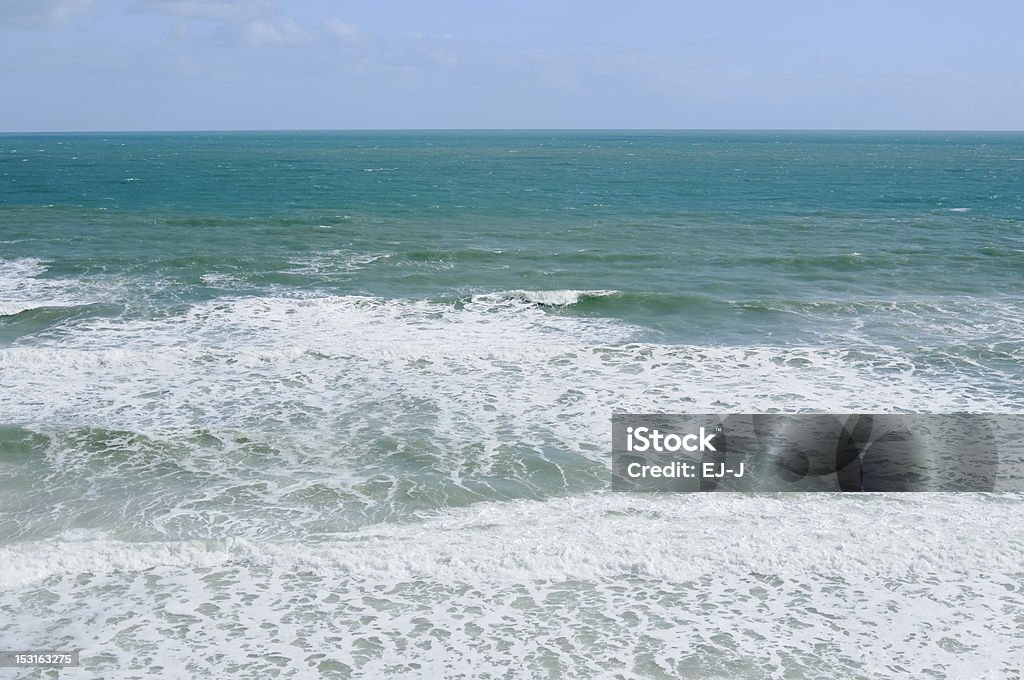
261, 33
343, 31
226, 11
40, 13
251, 23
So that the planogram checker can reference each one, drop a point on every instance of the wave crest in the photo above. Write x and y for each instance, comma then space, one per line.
544, 298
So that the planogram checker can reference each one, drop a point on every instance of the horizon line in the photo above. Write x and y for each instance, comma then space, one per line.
486, 129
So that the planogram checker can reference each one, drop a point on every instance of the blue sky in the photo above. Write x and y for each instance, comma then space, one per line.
260, 64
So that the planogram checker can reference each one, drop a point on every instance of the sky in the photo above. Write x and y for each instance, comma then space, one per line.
106, 65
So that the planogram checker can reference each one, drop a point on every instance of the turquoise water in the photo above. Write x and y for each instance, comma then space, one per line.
370, 377
705, 235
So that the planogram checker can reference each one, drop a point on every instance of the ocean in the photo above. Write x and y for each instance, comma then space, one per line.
338, 404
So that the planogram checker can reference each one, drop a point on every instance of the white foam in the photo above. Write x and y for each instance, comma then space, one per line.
877, 586
21, 268
550, 298
337, 261
486, 367
672, 537
22, 288
245, 429
262, 404
222, 279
